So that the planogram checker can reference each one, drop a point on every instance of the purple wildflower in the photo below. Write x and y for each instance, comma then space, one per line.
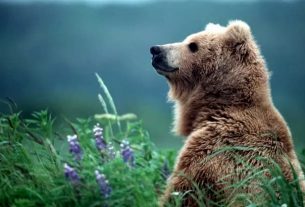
99, 139
111, 151
103, 184
127, 153
71, 174
75, 148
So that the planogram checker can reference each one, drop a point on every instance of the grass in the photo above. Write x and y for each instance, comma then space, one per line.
33, 153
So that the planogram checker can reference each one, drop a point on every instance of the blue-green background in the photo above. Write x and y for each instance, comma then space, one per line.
49, 53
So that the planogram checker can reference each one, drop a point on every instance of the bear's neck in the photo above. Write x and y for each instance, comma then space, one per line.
192, 111
187, 116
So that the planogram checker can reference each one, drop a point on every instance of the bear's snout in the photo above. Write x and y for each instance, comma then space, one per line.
159, 60
155, 50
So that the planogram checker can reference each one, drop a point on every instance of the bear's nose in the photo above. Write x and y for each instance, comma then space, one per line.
155, 50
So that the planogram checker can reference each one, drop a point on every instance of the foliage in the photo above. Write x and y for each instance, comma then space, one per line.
37, 169
32, 157
46, 48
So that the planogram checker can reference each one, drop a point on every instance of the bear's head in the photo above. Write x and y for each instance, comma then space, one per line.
219, 65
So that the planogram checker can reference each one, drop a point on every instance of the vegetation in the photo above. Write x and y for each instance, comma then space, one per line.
50, 51
108, 160
116, 165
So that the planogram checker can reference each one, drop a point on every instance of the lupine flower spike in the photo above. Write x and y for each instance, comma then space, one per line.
71, 174
127, 153
75, 148
103, 184
111, 151
99, 139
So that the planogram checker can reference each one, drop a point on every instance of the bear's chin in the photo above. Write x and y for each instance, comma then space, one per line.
165, 72
163, 68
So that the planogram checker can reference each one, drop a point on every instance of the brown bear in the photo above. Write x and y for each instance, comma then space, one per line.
219, 83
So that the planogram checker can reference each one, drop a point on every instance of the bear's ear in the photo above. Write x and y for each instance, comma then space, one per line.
238, 31
238, 38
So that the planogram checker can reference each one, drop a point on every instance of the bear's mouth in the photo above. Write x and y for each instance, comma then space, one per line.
161, 65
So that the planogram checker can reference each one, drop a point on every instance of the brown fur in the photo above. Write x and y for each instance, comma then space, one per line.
222, 98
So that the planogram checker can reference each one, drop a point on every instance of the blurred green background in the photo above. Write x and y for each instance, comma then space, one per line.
49, 52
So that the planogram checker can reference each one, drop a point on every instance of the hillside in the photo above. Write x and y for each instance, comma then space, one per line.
49, 53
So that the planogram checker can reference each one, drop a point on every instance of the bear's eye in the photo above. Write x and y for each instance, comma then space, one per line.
193, 47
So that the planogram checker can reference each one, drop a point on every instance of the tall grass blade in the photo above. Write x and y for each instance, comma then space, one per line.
110, 99
104, 105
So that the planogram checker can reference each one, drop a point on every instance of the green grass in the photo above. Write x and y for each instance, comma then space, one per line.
32, 155
33, 152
